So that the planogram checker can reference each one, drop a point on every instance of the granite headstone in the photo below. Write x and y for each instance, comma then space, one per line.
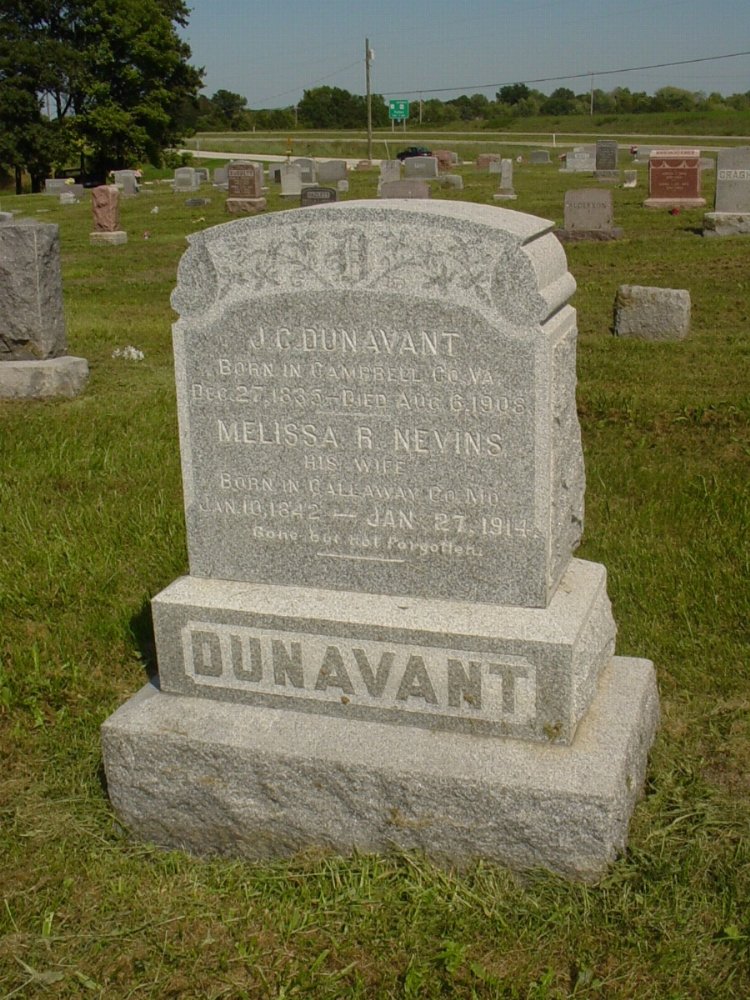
383, 483
674, 179
33, 345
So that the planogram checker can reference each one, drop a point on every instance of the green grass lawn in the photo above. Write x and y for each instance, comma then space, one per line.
91, 527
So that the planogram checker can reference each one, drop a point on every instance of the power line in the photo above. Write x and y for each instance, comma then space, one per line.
555, 79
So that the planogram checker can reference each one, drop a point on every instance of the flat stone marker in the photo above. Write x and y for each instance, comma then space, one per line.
420, 166
105, 205
314, 195
656, 314
407, 188
33, 348
383, 484
539, 156
731, 214
674, 179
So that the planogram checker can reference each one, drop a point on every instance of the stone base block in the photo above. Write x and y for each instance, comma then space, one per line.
505, 197
64, 376
114, 239
245, 206
726, 224
482, 669
248, 781
674, 203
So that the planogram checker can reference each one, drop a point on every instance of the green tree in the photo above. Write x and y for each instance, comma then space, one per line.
332, 107
560, 102
115, 74
512, 93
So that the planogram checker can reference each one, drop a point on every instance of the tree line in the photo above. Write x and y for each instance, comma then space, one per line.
332, 107
105, 85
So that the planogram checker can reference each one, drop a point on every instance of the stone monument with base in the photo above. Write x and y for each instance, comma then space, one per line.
33, 359
384, 639
731, 214
105, 205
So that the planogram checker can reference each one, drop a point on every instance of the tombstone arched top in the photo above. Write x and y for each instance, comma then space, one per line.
504, 265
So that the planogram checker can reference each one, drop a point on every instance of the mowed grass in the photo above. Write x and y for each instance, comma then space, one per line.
91, 526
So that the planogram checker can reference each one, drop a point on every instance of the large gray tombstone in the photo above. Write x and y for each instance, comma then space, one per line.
588, 215
606, 154
33, 347
731, 214
331, 171
308, 170
127, 182
421, 166
383, 485
186, 180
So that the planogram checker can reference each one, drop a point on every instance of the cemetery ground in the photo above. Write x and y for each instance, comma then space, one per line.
92, 527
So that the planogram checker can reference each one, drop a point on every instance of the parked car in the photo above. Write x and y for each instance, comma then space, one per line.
413, 151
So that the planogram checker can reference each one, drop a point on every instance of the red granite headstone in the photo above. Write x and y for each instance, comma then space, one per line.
674, 178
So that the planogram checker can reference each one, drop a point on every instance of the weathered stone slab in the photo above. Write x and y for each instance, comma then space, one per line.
390, 171
439, 456
505, 192
652, 313
539, 156
331, 171
64, 376
186, 180
217, 778
291, 180
606, 154
245, 180
105, 205
490, 670
726, 224
410, 187
32, 323
308, 169
421, 166
245, 206
588, 211
733, 181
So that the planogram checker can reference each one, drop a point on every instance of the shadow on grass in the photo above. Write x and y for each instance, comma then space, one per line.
142, 628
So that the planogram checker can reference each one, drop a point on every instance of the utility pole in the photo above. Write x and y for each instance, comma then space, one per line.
591, 107
368, 60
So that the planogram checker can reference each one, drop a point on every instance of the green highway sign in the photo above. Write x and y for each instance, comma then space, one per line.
398, 109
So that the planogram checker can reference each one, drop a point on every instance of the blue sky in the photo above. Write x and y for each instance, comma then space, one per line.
271, 51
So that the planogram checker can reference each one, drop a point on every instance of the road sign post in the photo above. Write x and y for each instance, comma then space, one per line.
398, 111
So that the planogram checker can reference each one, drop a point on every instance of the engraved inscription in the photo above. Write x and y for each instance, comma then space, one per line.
412, 679
343, 451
